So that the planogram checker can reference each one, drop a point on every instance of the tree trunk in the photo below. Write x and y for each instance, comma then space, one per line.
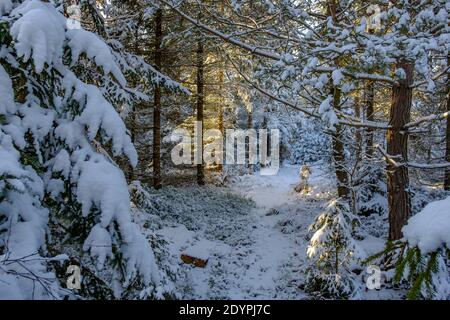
133, 123
221, 106
447, 149
397, 147
200, 102
157, 105
338, 152
338, 143
358, 137
221, 98
369, 106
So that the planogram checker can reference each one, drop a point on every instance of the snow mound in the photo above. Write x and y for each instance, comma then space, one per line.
430, 228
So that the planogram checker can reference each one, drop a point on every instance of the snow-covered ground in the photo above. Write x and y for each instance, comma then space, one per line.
276, 251
255, 249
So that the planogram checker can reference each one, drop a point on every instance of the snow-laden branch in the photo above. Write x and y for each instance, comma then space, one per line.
272, 96
368, 76
250, 29
436, 77
390, 159
343, 120
429, 118
416, 165
359, 75
226, 37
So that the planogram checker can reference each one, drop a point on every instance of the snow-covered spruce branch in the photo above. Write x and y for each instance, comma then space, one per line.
65, 114
349, 121
273, 96
255, 28
358, 75
368, 76
273, 55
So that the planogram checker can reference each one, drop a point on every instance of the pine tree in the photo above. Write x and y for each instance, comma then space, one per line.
332, 249
60, 178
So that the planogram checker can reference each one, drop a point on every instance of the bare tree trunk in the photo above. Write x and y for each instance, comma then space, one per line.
338, 152
358, 136
447, 149
157, 105
200, 102
369, 106
338, 143
133, 121
221, 106
397, 147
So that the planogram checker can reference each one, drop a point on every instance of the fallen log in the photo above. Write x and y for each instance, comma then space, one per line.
198, 262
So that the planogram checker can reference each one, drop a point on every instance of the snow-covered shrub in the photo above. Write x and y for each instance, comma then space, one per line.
61, 193
422, 257
371, 190
427, 273
426, 261
328, 285
303, 142
429, 229
371, 204
173, 278
421, 196
333, 253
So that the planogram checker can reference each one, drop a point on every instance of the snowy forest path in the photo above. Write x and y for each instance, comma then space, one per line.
282, 218
255, 249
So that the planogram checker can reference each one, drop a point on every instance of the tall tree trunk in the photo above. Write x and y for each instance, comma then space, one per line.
221, 106
369, 106
200, 102
222, 98
338, 152
337, 138
397, 147
133, 121
157, 105
447, 149
249, 147
358, 137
